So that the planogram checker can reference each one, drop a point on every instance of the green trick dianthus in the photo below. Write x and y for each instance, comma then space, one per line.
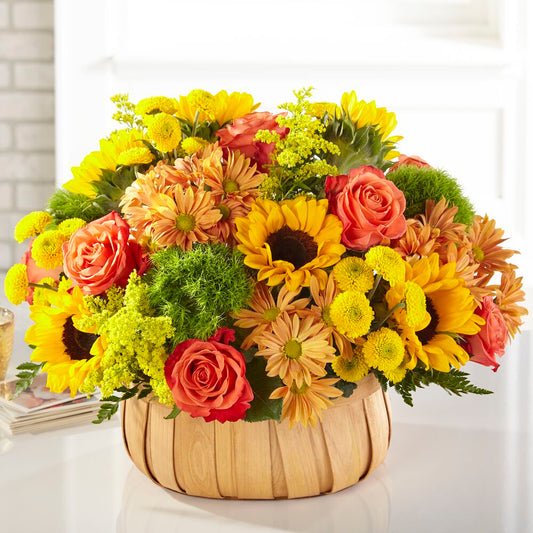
198, 289
421, 184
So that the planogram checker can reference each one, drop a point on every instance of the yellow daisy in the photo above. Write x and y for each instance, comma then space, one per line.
59, 343
450, 311
305, 403
296, 349
264, 311
290, 242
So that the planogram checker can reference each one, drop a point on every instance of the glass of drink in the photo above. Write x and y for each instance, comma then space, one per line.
7, 334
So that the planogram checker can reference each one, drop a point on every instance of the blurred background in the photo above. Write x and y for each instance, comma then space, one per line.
457, 73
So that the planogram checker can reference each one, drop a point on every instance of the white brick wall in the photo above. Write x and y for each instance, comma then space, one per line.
26, 115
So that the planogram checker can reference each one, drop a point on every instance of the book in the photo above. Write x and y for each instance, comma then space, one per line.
38, 409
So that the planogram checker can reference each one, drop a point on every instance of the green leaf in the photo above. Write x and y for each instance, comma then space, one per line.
106, 411
262, 407
174, 413
346, 387
28, 372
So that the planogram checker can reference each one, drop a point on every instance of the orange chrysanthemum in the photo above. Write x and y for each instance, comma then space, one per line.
305, 404
486, 239
264, 311
431, 232
508, 294
183, 218
236, 178
296, 349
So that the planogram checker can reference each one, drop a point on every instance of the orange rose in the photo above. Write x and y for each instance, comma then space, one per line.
412, 160
241, 136
36, 273
208, 378
102, 254
369, 205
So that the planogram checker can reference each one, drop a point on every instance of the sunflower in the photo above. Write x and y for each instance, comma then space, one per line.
305, 404
291, 241
296, 349
367, 114
450, 313
59, 343
264, 311
106, 158
221, 108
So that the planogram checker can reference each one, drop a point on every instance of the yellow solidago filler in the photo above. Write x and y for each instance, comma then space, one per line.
16, 284
156, 104
41, 295
165, 132
70, 225
353, 369
367, 114
31, 225
353, 274
415, 304
352, 314
387, 263
384, 350
191, 145
139, 155
47, 249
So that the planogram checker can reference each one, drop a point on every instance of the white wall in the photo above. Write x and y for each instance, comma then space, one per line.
456, 72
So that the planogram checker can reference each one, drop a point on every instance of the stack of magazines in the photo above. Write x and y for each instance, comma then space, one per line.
37, 409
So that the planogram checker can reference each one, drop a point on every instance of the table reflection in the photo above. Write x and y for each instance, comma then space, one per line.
363, 507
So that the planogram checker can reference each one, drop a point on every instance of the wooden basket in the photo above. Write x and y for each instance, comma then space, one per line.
262, 460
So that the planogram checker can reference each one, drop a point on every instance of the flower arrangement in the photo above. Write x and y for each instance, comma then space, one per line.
237, 264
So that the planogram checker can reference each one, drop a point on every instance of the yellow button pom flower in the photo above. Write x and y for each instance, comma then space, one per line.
16, 284
156, 104
139, 155
352, 313
70, 225
353, 274
415, 304
31, 225
47, 249
351, 369
191, 145
165, 132
387, 263
384, 349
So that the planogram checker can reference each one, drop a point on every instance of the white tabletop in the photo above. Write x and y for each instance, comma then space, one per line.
434, 480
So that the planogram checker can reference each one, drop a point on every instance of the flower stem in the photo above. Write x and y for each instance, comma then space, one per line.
42, 286
379, 277
399, 305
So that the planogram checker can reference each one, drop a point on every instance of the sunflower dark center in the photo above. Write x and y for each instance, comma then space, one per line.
293, 246
426, 334
77, 343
